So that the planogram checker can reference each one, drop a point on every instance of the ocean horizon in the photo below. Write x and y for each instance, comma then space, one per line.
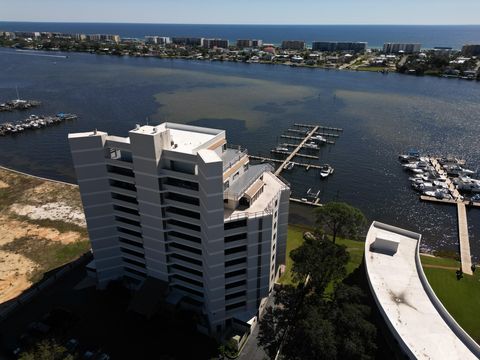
429, 36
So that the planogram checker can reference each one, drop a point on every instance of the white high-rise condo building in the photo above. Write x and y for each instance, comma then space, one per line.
175, 203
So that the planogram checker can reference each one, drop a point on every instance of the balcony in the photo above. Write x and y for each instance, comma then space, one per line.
231, 156
238, 188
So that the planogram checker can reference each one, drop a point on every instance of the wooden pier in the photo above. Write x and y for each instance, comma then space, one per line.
311, 203
317, 133
465, 256
296, 150
318, 126
299, 155
312, 130
267, 159
463, 237
301, 138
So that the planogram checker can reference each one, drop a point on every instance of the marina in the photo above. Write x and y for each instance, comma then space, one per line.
34, 122
312, 140
19, 104
446, 180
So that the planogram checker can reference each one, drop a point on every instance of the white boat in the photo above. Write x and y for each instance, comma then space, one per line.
319, 138
289, 165
326, 171
310, 145
280, 148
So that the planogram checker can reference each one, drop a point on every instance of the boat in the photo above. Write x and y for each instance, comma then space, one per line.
289, 165
319, 138
325, 171
411, 155
311, 145
281, 148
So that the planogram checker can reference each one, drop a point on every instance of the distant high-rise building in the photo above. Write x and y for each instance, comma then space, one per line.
187, 41
215, 43
471, 50
173, 203
332, 46
104, 37
249, 43
406, 48
157, 40
293, 44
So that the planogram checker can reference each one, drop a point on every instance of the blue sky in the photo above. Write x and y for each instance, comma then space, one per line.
246, 11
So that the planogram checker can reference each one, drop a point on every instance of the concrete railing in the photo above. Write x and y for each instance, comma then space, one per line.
457, 329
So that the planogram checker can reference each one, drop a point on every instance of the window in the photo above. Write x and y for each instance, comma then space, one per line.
235, 273
241, 236
226, 185
184, 224
184, 258
183, 198
235, 262
133, 271
122, 185
235, 224
235, 250
131, 252
130, 242
187, 280
182, 167
236, 284
245, 167
129, 232
189, 185
188, 290
125, 198
236, 175
186, 269
134, 262
183, 212
120, 171
185, 248
185, 237
235, 295
127, 221
235, 306
125, 210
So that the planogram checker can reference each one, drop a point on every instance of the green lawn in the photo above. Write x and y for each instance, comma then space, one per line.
295, 239
439, 261
460, 297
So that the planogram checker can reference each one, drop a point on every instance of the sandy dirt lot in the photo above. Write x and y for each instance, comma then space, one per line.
42, 226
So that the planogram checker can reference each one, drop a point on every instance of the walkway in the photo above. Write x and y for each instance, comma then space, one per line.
464, 240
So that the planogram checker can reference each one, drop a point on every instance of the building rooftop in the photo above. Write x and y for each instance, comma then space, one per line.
405, 298
272, 185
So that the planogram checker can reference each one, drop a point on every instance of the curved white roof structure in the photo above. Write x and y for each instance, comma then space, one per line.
417, 319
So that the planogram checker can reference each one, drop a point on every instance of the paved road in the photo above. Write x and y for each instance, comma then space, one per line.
252, 351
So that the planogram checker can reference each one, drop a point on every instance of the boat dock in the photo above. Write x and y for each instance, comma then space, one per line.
464, 241
266, 159
315, 203
302, 136
317, 133
319, 127
296, 150
299, 155
465, 256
